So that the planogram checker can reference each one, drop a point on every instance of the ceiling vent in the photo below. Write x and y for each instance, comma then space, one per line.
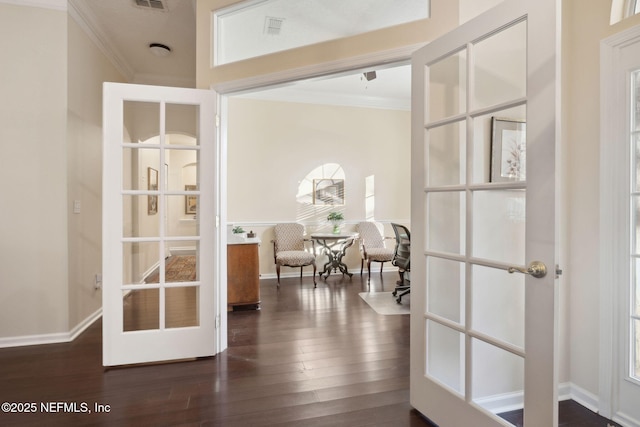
273, 25
151, 4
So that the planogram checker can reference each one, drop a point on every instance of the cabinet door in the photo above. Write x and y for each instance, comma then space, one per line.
243, 277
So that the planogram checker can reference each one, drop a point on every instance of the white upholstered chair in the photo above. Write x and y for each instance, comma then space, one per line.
289, 249
372, 246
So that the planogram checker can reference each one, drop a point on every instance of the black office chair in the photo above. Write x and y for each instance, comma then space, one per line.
402, 260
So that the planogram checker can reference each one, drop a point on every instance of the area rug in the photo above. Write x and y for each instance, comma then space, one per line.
178, 268
385, 303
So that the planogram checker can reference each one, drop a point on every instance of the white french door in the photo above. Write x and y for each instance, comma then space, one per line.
620, 224
160, 250
483, 341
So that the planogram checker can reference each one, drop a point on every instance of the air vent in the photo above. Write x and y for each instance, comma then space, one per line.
273, 25
151, 4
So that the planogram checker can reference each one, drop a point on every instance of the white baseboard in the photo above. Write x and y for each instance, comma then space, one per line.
580, 395
59, 337
512, 401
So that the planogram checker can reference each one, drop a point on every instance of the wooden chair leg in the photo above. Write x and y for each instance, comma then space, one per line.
361, 265
369, 268
381, 265
278, 273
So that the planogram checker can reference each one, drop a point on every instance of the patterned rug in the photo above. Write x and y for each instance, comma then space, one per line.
178, 268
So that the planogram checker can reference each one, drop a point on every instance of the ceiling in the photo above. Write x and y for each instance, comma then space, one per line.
123, 31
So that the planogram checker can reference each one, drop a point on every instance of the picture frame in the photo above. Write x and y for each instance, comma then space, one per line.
152, 185
190, 201
508, 150
328, 192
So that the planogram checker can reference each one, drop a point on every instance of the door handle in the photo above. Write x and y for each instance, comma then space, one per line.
536, 269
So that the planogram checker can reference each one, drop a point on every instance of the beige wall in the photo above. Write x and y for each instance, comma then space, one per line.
273, 146
87, 69
33, 172
50, 127
586, 24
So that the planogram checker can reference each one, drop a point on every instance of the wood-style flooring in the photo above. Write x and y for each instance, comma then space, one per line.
309, 357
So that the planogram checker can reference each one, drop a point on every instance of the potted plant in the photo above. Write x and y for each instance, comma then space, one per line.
336, 218
238, 231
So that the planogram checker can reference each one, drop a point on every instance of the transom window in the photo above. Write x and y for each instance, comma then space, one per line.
254, 28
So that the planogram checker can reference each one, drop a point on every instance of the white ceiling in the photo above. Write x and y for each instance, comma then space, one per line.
124, 31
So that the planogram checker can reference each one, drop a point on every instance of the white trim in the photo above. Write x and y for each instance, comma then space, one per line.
59, 337
613, 211
392, 56
626, 420
44, 4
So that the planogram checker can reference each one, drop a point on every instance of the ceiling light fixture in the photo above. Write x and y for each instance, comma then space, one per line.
159, 49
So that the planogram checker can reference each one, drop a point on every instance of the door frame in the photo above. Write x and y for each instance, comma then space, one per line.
613, 206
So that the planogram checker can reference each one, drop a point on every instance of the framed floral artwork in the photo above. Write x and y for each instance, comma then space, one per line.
508, 150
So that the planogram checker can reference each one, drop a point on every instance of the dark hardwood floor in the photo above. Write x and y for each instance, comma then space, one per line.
312, 357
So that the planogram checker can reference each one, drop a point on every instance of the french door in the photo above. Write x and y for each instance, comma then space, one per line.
160, 250
483, 341
620, 225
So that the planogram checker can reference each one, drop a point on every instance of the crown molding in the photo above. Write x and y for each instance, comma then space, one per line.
84, 18
44, 4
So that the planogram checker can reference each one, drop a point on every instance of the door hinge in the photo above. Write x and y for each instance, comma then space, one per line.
218, 321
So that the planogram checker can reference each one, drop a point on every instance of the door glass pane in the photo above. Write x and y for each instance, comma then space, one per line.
499, 225
447, 87
635, 224
141, 261
141, 121
140, 216
181, 215
181, 307
181, 124
182, 169
498, 378
636, 162
181, 265
445, 288
490, 150
141, 309
498, 304
500, 67
445, 215
446, 151
635, 101
635, 349
445, 356
141, 168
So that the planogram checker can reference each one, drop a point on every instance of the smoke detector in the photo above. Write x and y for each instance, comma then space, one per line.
159, 49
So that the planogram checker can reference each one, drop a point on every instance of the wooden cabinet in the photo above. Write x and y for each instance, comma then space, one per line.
243, 275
